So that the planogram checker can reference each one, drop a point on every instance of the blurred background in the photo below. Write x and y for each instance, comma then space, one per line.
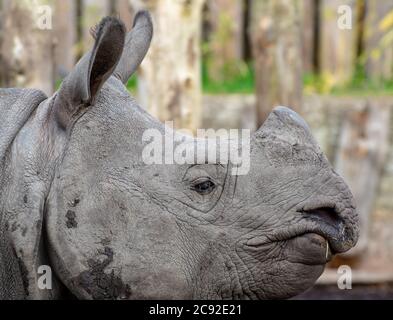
227, 63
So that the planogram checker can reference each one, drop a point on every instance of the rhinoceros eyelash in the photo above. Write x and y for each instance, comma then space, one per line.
207, 182
201, 180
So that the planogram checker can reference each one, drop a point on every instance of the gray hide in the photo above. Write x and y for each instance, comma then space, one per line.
76, 196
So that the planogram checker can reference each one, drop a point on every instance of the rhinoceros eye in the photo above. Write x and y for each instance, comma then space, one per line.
204, 187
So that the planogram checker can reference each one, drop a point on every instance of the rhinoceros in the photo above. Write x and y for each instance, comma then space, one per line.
77, 197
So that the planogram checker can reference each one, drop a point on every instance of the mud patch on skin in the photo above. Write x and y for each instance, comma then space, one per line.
14, 227
105, 241
75, 202
71, 222
100, 285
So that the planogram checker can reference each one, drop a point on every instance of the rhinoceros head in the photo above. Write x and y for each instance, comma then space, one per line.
117, 227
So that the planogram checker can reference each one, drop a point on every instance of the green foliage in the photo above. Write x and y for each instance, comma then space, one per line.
132, 84
244, 83
315, 84
387, 22
222, 71
360, 85
58, 84
240, 82
219, 52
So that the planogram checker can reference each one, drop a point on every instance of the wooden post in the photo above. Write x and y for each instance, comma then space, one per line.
361, 157
308, 10
276, 42
123, 9
169, 81
378, 47
93, 12
226, 39
3, 71
27, 48
65, 36
338, 41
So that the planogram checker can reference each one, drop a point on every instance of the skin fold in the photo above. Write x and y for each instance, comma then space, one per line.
76, 195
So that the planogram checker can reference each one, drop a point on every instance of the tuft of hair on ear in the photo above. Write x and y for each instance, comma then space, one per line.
93, 31
113, 22
108, 48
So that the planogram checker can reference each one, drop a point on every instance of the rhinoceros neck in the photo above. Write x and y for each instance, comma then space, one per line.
27, 166
16, 107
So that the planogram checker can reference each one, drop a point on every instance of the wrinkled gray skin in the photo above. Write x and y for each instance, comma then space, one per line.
76, 195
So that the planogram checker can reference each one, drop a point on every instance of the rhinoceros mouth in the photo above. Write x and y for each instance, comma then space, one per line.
331, 224
324, 226
307, 248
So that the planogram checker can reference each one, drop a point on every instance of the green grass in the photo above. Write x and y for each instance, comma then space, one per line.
132, 84
372, 89
242, 82
58, 84
360, 85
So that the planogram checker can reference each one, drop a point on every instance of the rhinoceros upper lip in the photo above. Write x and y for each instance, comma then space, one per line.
324, 221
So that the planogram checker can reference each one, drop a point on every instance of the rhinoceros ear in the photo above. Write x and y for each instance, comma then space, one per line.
136, 46
82, 85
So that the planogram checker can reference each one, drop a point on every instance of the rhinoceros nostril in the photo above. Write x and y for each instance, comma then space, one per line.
326, 214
